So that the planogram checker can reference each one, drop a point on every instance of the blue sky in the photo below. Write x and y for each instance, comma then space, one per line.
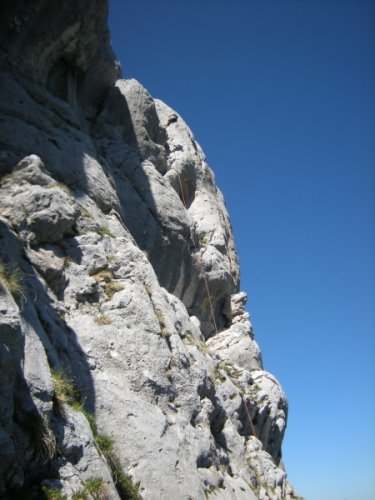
281, 97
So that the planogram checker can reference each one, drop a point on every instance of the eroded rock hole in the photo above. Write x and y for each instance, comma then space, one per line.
186, 191
57, 82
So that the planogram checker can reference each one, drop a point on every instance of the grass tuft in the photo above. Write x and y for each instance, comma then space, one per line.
103, 275
47, 443
91, 420
94, 488
66, 392
102, 319
202, 240
125, 486
62, 186
123, 482
112, 258
209, 491
13, 279
104, 231
52, 493
85, 213
6, 178
161, 319
112, 287
105, 443
78, 406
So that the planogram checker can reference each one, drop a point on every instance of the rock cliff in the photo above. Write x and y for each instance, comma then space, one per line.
128, 367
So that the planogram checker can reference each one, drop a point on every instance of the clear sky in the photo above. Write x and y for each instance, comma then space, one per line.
281, 96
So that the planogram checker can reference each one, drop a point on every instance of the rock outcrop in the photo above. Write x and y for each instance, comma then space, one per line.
126, 355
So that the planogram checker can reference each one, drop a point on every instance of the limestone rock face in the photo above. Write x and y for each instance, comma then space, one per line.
126, 354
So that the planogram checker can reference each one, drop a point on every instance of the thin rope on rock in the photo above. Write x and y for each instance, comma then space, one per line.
255, 435
213, 318
248, 416
200, 258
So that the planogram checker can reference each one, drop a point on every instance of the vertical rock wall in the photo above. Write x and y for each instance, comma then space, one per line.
126, 354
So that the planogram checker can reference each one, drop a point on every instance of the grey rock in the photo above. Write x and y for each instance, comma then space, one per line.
32, 170
68, 53
82, 459
128, 283
209, 224
11, 349
271, 411
236, 346
129, 114
234, 308
37, 372
50, 262
7, 456
43, 213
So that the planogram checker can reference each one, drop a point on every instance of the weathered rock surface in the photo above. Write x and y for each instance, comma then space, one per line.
118, 278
